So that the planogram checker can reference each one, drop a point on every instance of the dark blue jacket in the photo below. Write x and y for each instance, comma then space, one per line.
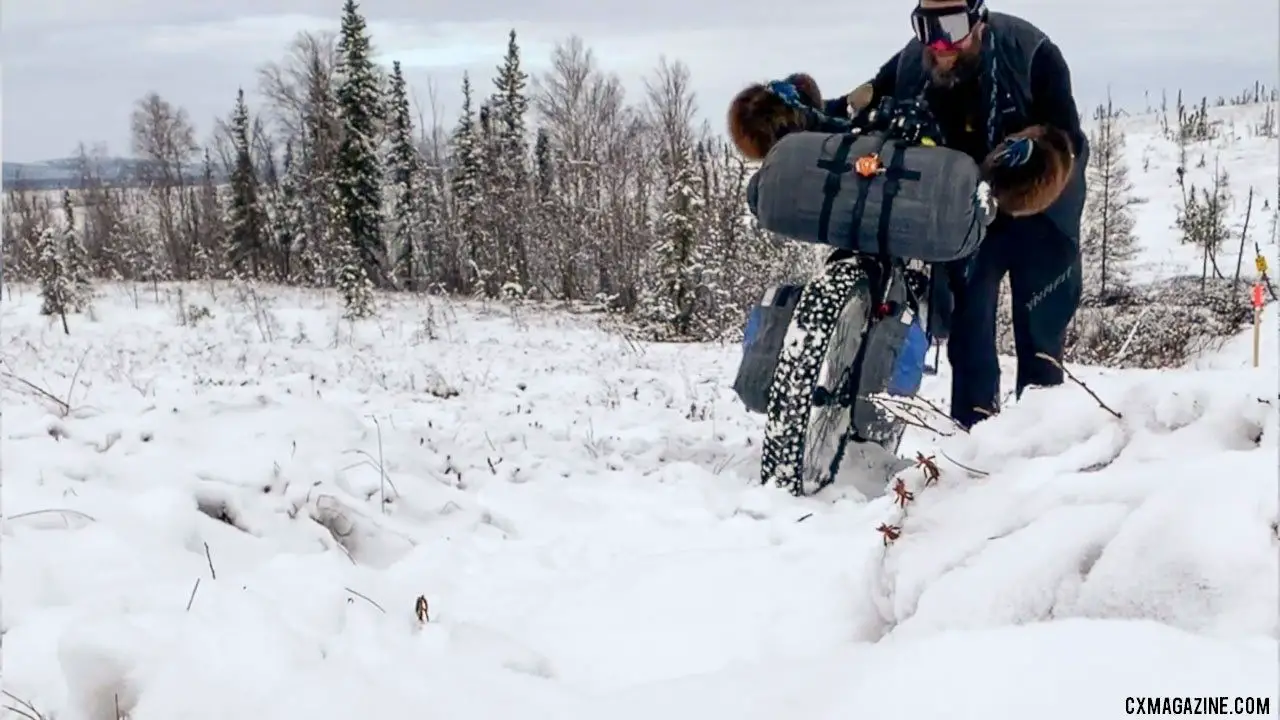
1033, 87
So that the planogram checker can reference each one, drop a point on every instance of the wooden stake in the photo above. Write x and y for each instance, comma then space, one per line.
1257, 334
1256, 299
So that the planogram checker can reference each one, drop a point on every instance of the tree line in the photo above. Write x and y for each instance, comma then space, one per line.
551, 187
558, 186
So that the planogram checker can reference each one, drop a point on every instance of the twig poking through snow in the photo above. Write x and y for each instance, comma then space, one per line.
63, 406
75, 376
64, 409
384, 480
64, 511
422, 610
1133, 332
25, 709
366, 599
208, 556
962, 466
912, 411
1078, 381
382, 468
192, 599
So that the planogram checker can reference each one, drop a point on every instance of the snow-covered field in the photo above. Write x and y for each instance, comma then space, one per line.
228, 503
1252, 161
236, 516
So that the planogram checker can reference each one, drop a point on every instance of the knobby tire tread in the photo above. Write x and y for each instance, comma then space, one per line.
795, 378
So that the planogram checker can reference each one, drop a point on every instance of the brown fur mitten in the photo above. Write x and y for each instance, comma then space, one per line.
758, 118
860, 98
1031, 188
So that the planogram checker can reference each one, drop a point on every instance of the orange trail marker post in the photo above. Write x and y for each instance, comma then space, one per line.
1257, 301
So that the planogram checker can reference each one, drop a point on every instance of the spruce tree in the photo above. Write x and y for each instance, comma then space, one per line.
678, 254
1202, 219
467, 186
510, 168
546, 211
358, 170
490, 259
246, 220
354, 286
404, 164
435, 265
318, 247
288, 221
79, 268
56, 290
1108, 242
212, 245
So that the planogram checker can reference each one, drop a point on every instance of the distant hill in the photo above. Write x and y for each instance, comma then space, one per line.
64, 173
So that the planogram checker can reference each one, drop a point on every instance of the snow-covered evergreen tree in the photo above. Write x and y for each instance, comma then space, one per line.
546, 220
511, 188
56, 290
468, 186
358, 168
317, 247
212, 246
146, 257
246, 219
741, 260
1108, 242
79, 270
288, 221
436, 262
1202, 218
492, 264
121, 237
677, 255
405, 172
355, 287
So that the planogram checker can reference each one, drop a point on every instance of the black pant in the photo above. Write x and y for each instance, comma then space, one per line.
1044, 278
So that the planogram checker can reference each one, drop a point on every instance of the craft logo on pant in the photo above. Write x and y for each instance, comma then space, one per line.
1047, 289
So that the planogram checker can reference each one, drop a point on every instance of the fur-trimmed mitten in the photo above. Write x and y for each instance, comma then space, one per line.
1029, 170
860, 98
759, 117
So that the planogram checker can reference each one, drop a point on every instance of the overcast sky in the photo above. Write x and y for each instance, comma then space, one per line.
73, 68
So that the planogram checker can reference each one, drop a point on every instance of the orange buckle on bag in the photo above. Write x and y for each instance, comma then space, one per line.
868, 166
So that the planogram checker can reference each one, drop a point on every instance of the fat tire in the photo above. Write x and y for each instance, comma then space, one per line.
795, 379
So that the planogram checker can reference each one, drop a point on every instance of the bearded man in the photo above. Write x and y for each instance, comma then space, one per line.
1000, 91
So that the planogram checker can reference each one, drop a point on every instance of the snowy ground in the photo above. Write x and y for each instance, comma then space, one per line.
1251, 160
236, 516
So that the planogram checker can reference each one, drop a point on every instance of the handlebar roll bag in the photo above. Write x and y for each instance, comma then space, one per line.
874, 195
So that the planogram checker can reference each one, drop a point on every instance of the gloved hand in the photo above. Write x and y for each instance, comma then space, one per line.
1014, 152
762, 114
860, 98
787, 93
1029, 170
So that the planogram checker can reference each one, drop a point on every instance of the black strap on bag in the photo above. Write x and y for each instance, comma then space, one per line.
838, 165
895, 172
883, 271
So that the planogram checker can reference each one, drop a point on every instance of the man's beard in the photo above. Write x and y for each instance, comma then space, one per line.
965, 67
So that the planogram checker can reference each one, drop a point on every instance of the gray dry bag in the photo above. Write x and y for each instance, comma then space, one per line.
873, 195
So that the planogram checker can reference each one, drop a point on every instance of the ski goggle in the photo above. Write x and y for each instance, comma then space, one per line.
943, 28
